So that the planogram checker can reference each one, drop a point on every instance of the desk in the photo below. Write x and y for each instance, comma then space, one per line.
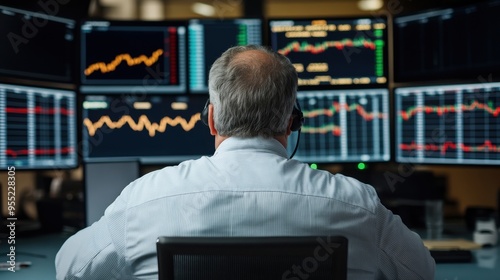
41, 251
486, 266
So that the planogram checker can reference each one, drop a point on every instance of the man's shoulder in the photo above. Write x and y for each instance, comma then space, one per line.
168, 181
349, 190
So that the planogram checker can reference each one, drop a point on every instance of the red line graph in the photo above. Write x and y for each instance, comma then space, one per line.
487, 146
39, 110
334, 129
412, 111
336, 107
25, 152
296, 46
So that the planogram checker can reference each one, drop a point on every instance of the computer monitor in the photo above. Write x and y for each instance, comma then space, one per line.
151, 129
36, 46
343, 126
209, 38
451, 43
133, 56
37, 127
448, 124
338, 52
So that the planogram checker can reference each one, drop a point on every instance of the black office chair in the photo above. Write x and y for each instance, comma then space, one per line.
245, 258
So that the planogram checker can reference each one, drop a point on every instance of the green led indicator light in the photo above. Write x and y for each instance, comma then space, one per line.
314, 166
361, 166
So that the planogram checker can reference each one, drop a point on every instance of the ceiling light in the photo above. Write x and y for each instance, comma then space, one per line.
203, 9
370, 5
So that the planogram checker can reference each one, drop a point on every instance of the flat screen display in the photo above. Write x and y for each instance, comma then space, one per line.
156, 129
343, 126
335, 52
448, 124
137, 57
37, 127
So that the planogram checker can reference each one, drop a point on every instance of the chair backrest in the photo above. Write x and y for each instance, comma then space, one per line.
260, 258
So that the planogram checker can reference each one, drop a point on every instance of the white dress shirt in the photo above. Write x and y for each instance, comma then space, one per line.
247, 188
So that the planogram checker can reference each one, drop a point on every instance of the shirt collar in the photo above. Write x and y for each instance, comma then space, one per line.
254, 143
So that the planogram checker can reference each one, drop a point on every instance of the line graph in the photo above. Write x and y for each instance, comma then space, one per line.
143, 123
487, 146
40, 110
327, 128
331, 52
38, 127
475, 105
25, 152
149, 55
451, 124
125, 57
337, 108
317, 48
349, 125
153, 128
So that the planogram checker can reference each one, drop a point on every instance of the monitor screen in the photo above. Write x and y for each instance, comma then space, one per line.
158, 129
450, 43
343, 126
129, 56
37, 127
209, 38
333, 52
36, 46
448, 124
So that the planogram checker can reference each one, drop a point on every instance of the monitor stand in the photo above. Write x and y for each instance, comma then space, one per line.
103, 183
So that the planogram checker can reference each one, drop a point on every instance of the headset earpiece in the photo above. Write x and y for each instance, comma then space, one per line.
204, 113
298, 117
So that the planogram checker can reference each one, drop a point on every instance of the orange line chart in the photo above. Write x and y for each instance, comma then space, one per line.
143, 123
131, 61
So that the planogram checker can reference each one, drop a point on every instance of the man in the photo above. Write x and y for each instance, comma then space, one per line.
249, 187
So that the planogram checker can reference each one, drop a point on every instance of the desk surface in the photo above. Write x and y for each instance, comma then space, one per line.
41, 251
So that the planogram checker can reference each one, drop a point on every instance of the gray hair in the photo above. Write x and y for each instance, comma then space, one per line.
252, 94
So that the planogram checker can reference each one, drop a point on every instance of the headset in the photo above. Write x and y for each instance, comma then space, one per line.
297, 121
297, 115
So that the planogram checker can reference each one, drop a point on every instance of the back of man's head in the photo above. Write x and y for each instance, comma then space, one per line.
253, 91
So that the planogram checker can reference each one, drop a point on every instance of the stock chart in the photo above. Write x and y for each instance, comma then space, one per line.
344, 126
37, 127
452, 124
157, 129
156, 64
337, 52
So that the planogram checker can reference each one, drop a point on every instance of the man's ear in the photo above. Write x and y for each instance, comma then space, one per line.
211, 123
